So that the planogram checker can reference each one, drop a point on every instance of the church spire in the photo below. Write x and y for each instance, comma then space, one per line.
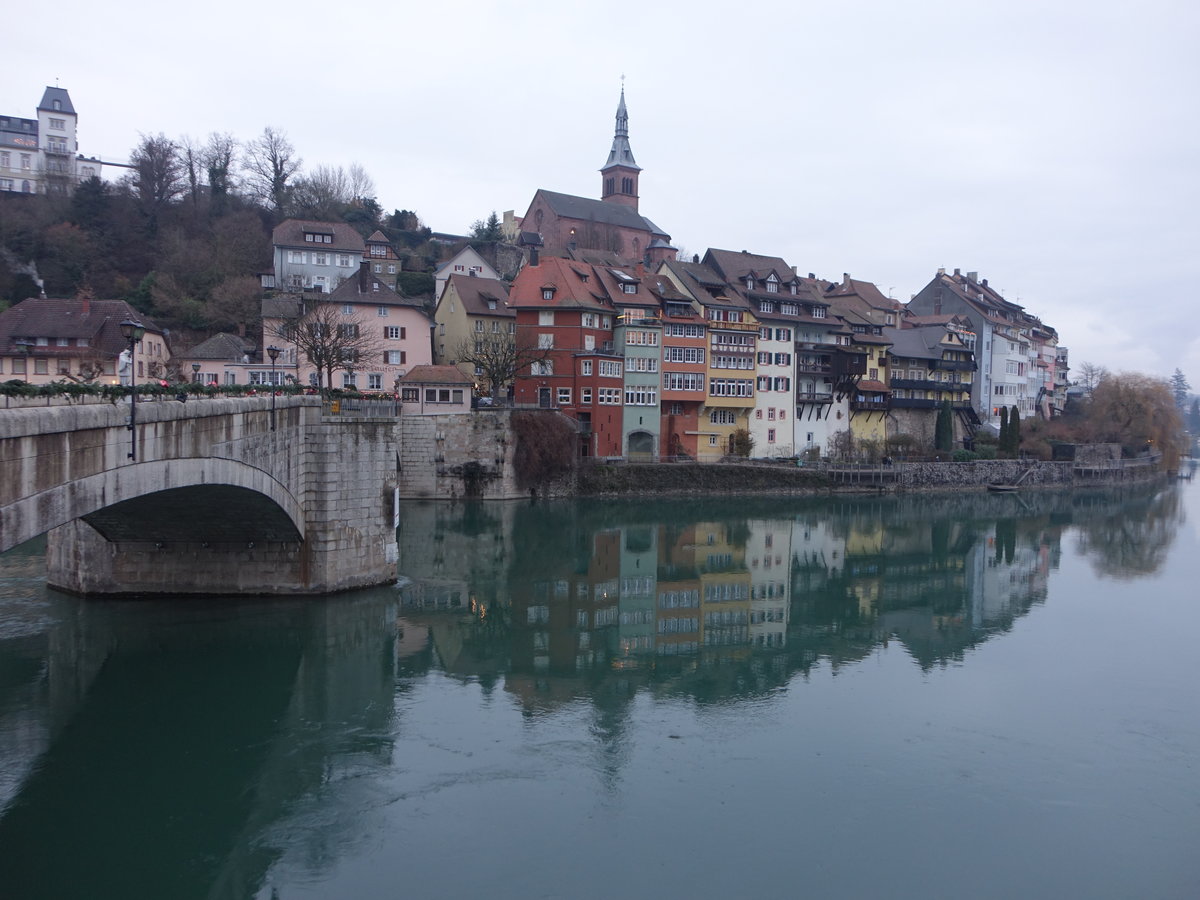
619, 176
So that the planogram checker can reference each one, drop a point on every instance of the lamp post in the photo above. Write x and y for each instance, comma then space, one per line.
132, 331
195, 372
24, 344
273, 352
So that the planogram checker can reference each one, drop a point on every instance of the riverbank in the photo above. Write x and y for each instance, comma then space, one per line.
596, 479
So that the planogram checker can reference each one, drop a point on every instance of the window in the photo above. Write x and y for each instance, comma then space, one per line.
395, 357
731, 387
783, 359
374, 382
684, 354
772, 285
378, 270
588, 320
770, 413
585, 396
723, 417
712, 440
789, 309
585, 367
783, 334
641, 364
410, 395
495, 327
348, 331
546, 317
610, 396
683, 381
381, 311
541, 368
766, 306
391, 268
818, 312
770, 435
58, 125
642, 338
545, 341
589, 342
610, 369
639, 395
377, 250
548, 294
297, 256
479, 326
320, 259
629, 288
764, 359
343, 260
347, 308
25, 161
349, 380
395, 332
5, 160
564, 396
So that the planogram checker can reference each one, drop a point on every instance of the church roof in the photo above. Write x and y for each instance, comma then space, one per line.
568, 206
63, 98
621, 154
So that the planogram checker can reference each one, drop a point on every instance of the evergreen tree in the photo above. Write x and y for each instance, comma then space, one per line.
944, 429
1002, 443
1014, 432
1179, 389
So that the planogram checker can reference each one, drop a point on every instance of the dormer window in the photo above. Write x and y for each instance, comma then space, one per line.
750, 283
547, 293
772, 285
793, 288
629, 288
491, 304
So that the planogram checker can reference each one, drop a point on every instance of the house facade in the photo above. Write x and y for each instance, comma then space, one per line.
391, 333
434, 390
470, 311
931, 360
314, 256
47, 340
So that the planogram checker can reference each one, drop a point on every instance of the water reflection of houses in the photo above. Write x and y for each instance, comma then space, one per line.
690, 598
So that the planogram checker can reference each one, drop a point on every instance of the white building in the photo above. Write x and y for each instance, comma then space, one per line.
41, 155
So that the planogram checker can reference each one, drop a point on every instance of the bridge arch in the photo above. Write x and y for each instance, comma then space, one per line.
192, 499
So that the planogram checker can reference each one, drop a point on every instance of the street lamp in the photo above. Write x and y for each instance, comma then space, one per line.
24, 344
195, 372
132, 331
273, 352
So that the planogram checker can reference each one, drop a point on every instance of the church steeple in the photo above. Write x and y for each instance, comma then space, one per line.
619, 177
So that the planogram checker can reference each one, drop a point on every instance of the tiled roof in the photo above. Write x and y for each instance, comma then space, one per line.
475, 292
570, 290
435, 375
364, 287
222, 346
290, 233
97, 321
736, 265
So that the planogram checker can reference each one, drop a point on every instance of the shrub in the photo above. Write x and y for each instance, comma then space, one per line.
964, 455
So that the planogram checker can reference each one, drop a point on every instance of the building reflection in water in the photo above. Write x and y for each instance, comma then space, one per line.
719, 599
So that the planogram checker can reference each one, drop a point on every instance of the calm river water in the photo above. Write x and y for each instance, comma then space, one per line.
924, 696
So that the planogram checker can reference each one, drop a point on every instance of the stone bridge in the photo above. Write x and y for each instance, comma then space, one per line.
216, 502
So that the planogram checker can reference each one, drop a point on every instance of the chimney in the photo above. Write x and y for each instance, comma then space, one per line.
86, 308
640, 270
941, 270
533, 256
984, 282
973, 276
957, 273
695, 257
812, 277
364, 276
846, 278
472, 273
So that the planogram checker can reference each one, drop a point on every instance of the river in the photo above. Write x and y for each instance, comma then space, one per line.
875, 696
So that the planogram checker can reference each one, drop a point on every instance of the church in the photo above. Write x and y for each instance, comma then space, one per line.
611, 225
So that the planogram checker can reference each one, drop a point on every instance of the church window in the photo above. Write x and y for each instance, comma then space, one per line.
626, 185
609, 183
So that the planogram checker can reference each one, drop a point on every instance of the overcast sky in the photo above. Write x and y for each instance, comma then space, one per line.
1050, 146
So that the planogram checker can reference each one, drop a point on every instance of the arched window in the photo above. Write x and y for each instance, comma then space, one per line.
627, 185
608, 186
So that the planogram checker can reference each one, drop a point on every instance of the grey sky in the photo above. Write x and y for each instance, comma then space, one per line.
1052, 147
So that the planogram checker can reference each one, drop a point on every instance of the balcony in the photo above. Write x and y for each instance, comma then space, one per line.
57, 148
873, 404
955, 365
814, 397
928, 384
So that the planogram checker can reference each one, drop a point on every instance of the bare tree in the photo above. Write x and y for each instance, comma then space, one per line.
1090, 376
322, 194
191, 158
269, 164
362, 185
498, 358
157, 176
328, 338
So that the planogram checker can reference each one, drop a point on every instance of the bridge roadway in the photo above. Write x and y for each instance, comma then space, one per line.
216, 503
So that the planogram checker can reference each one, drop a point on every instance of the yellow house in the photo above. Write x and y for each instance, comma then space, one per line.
470, 311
